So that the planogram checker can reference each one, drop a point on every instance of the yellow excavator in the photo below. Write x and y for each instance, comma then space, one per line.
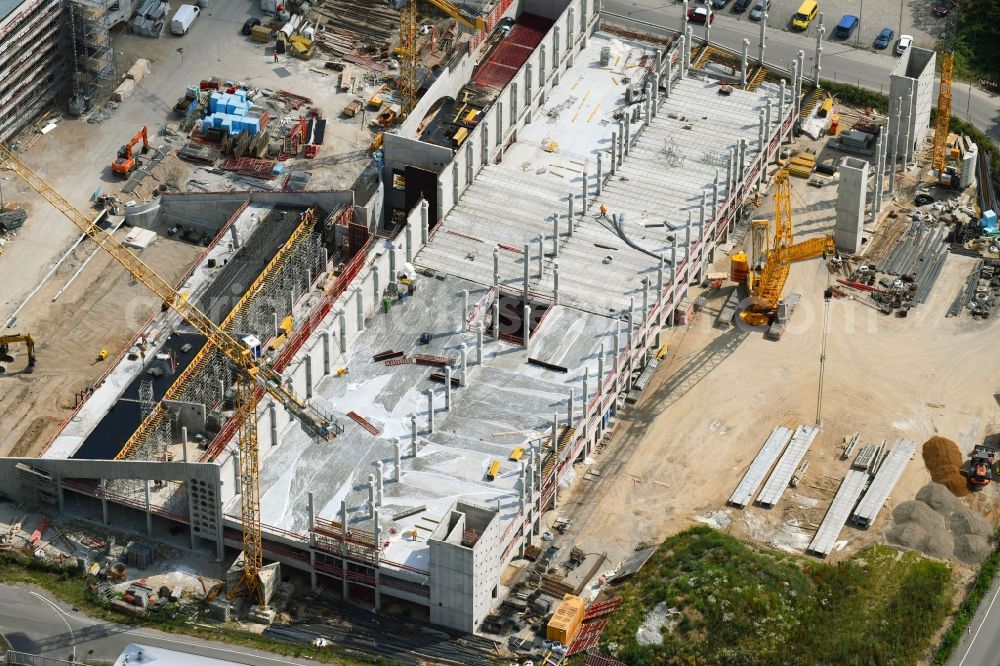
5, 356
766, 282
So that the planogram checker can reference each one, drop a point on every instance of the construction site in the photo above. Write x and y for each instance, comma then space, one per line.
442, 317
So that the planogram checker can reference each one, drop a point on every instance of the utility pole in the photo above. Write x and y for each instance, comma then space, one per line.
827, 298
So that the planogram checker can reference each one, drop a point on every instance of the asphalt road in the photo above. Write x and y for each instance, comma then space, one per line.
32, 621
839, 61
981, 644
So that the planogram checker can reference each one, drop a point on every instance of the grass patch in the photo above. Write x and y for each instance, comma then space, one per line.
72, 588
738, 605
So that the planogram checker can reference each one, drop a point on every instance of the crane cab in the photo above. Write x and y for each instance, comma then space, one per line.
253, 344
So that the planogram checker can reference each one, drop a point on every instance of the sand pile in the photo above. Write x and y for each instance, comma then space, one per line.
944, 461
938, 524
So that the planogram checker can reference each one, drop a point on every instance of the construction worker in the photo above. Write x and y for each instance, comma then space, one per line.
275, 54
604, 210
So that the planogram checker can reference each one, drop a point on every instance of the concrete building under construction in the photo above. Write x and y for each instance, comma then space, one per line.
473, 326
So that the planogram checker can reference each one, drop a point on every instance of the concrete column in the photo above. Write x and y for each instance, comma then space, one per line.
392, 256
424, 221
479, 341
715, 197
377, 529
620, 147
541, 254
600, 371
499, 123
465, 310
325, 341
342, 323
586, 192
377, 292
762, 43
669, 80
399, 462
307, 361
372, 493
600, 182
585, 419
817, 66
684, 18
430, 411
311, 509
569, 410
149, 509
464, 355
729, 172
767, 140
104, 500
555, 283
526, 324
628, 132
781, 113
413, 435
879, 173
496, 266
614, 152
673, 251
485, 143
649, 98
527, 84
184, 444
760, 132
447, 388
743, 63
527, 262
191, 501
800, 56
222, 391
272, 414
895, 147
569, 205
359, 300
379, 482
743, 161
555, 234
496, 318
409, 241
617, 339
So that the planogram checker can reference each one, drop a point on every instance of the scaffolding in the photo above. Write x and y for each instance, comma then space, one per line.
93, 52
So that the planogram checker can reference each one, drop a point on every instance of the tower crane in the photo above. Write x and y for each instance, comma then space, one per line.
407, 48
942, 123
255, 376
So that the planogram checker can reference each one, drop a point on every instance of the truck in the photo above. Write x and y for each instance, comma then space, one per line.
848, 22
183, 18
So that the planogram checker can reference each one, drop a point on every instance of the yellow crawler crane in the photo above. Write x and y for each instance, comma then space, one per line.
253, 374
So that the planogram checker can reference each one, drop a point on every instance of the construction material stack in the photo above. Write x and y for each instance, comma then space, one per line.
565, 622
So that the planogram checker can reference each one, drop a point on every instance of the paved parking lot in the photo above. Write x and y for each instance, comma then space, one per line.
913, 17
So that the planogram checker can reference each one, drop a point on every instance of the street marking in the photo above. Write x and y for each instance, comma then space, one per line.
211, 647
975, 635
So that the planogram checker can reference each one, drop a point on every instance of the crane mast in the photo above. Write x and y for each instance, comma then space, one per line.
254, 377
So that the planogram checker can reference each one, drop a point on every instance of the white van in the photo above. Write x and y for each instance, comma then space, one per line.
182, 20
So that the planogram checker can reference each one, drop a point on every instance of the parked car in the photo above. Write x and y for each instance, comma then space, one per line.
701, 15
757, 13
719, 4
923, 199
943, 7
250, 25
884, 38
848, 23
741, 6
904, 42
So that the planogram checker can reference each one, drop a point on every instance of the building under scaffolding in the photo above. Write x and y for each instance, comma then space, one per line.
93, 52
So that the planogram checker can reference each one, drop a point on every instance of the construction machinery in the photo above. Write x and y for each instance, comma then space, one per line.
980, 470
5, 356
765, 270
255, 376
126, 161
407, 48
942, 123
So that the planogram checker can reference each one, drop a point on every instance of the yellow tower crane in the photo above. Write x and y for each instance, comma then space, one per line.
253, 373
407, 48
942, 123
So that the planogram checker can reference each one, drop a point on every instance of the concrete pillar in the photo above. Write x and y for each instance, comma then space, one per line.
191, 522
586, 192
496, 318
496, 266
555, 234
184, 443
585, 419
617, 340
729, 172
762, 43
222, 391
359, 300
430, 411
424, 221
307, 361
570, 207
684, 19
499, 123
462, 320
379, 482
325, 341
149, 510
743, 63
272, 414
879, 174
541, 254
743, 161
479, 341
620, 147
377, 292
342, 323
767, 142
392, 256
715, 197
526, 324
372, 493
649, 98
895, 147
781, 114
600, 371
528, 70
628, 132
527, 262
600, 183
399, 461
377, 529
817, 66
409, 241
311, 509
447, 388
555, 283
760, 131
464, 356
800, 57
614, 152
413, 435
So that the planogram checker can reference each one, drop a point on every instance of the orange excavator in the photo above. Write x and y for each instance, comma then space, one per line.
126, 162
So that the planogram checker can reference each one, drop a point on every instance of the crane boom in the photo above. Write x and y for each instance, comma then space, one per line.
470, 22
942, 122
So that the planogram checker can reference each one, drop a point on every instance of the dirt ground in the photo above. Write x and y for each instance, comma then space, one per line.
681, 450
102, 309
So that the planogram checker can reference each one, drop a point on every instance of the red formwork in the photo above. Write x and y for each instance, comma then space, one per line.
506, 59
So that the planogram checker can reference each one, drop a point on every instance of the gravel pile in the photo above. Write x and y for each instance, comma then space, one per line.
938, 524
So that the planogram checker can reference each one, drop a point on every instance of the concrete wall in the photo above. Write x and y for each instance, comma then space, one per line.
913, 74
463, 580
851, 194
511, 111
